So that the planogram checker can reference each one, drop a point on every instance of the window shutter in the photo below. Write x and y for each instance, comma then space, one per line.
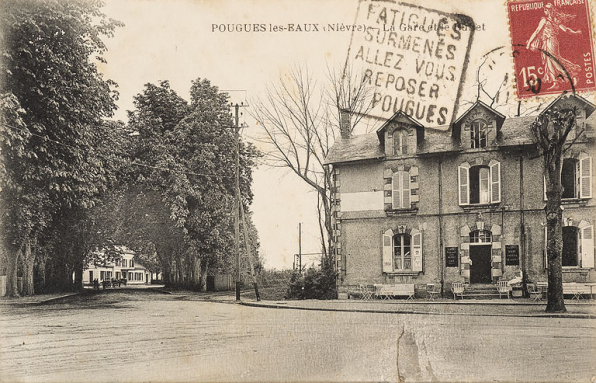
395, 180
585, 166
544, 197
417, 252
464, 185
406, 190
495, 182
388, 251
545, 247
587, 243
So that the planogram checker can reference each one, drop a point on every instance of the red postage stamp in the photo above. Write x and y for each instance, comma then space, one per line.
553, 46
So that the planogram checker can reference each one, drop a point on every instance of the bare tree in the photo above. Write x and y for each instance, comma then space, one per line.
549, 132
300, 119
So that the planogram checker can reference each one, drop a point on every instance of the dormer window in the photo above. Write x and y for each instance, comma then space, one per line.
400, 142
478, 133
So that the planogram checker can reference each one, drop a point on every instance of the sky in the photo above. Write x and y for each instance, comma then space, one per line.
182, 40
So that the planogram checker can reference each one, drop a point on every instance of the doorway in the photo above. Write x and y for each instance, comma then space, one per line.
480, 255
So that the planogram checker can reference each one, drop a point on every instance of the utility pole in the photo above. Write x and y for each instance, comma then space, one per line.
300, 247
237, 202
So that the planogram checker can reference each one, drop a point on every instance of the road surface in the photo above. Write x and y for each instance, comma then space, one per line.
126, 335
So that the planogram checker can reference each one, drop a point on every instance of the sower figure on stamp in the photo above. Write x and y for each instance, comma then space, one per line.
546, 38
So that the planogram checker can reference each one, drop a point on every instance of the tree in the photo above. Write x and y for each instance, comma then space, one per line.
50, 50
550, 131
300, 121
185, 153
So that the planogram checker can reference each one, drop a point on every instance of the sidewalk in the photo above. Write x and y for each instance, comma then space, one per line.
491, 307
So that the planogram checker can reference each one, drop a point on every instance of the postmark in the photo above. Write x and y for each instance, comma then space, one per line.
414, 58
553, 49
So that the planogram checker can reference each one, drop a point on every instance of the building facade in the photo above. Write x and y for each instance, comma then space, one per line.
459, 203
124, 267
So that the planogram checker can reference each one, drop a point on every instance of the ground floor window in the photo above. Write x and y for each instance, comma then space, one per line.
570, 246
402, 256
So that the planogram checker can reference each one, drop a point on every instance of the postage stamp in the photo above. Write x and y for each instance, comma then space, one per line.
414, 58
553, 46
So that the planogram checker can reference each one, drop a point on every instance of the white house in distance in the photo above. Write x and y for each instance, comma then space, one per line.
123, 268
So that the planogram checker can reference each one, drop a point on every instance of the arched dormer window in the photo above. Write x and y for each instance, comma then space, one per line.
478, 134
400, 142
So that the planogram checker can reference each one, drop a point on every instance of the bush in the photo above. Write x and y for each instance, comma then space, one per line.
314, 284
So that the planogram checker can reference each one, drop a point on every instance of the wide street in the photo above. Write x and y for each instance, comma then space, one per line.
127, 335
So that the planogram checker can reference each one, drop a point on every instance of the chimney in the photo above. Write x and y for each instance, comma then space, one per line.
344, 123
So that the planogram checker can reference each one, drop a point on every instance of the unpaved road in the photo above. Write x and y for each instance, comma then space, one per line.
127, 335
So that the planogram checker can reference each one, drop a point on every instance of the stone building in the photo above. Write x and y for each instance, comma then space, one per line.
463, 202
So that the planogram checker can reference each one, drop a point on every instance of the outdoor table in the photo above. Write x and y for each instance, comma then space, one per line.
592, 288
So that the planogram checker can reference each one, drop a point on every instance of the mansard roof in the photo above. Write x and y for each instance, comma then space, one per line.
514, 131
356, 148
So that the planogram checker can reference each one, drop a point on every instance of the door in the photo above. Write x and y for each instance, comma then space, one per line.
480, 255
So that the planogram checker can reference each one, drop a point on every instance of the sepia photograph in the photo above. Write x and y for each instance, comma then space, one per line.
297, 191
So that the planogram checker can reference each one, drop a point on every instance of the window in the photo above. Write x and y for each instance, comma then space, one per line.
91, 275
479, 184
570, 246
478, 132
569, 179
576, 178
124, 262
132, 263
402, 256
480, 236
578, 246
102, 275
400, 142
402, 252
401, 190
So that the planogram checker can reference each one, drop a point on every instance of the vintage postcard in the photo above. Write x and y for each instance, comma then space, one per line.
297, 190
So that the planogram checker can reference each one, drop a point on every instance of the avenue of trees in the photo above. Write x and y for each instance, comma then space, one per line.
72, 181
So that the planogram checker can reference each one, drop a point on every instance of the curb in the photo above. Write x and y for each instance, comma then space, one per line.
377, 311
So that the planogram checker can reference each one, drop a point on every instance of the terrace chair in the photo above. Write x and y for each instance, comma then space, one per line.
457, 288
535, 292
503, 288
433, 291
366, 294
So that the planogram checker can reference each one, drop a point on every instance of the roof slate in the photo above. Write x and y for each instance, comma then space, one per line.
514, 131
361, 147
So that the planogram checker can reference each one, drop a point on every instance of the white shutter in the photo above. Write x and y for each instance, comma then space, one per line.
495, 182
388, 251
587, 243
464, 185
585, 170
396, 190
405, 190
545, 198
545, 247
417, 252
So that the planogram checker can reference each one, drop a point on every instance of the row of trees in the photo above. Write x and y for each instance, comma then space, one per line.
73, 181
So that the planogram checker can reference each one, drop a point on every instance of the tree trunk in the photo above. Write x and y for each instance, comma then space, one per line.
203, 278
28, 262
13, 258
40, 273
196, 272
554, 228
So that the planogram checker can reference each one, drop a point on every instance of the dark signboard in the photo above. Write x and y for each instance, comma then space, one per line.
512, 255
451, 258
